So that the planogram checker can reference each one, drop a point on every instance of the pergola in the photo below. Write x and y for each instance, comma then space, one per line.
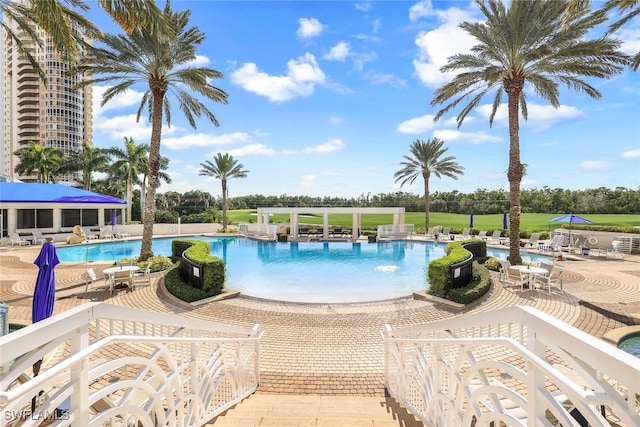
356, 223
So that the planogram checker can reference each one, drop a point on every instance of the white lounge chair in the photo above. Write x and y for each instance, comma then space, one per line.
533, 240
90, 235
481, 235
554, 245
16, 240
37, 237
122, 233
495, 238
466, 234
106, 233
445, 235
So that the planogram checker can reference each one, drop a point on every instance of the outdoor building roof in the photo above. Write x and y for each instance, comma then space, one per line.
19, 192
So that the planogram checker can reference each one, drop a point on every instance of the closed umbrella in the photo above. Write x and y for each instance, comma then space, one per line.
471, 220
44, 295
504, 221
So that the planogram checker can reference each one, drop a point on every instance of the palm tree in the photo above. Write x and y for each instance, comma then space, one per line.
224, 166
534, 42
426, 159
162, 176
66, 25
45, 161
161, 59
88, 160
129, 162
630, 10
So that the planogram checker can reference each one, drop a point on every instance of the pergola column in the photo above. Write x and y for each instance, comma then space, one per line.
293, 220
57, 218
325, 226
355, 226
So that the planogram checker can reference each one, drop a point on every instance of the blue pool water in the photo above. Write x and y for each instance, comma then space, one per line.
305, 272
631, 345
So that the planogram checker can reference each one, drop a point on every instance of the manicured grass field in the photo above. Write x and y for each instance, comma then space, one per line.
529, 221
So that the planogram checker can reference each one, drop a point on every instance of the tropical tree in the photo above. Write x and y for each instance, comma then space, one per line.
630, 9
164, 61
223, 167
162, 176
426, 159
45, 161
129, 162
88, 160
534, 42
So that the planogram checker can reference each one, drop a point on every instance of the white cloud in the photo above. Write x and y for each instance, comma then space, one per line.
252, 149
303, 74
540, 116
120, 126
336, 120
417, 125
198, 61
420, 10
363, 6
308, 179
205, 140
309, 27
631, 39
326, 147
596, 165
436, 46
449, 135
631, 154
339, 52
362, 58
378, 78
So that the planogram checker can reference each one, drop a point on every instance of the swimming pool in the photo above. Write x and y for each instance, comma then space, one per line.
631, 344
337, 272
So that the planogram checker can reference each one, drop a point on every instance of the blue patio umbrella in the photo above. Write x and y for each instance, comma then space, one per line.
504, 221
44, 295
113, 218
571, 219
471, 220
45, 291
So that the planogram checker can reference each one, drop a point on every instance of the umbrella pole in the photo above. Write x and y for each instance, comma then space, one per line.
36, 371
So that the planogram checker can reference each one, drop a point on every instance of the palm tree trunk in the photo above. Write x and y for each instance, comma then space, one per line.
427, 201
224, 204
514, 174
129, 198
154, 168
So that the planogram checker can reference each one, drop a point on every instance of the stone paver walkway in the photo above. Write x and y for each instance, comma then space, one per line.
337, 348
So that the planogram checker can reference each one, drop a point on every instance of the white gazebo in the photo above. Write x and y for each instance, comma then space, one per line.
356, 223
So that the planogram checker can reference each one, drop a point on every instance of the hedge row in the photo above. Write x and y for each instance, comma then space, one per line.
474, 290
440, 283
213, 268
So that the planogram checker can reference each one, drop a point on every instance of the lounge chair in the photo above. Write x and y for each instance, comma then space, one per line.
481, 235
15, 239
90, 235
534, 240
445, 235
495, 238
555, 245
37, 237
466, 234
121, 233
304, 231
106, 233
336, 232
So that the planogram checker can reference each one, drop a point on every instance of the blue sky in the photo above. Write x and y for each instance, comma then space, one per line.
325, 98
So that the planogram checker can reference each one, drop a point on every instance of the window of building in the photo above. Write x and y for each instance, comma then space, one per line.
89, 217
70, 217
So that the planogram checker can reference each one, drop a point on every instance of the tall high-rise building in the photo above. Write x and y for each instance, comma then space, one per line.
54, 114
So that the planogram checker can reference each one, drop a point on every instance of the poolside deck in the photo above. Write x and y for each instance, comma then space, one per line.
336, 349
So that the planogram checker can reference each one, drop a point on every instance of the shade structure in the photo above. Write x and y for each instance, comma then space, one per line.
571, 219
504, 221
471, 220
45, 290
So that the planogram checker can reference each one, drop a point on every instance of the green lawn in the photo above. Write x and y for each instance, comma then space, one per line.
529, 221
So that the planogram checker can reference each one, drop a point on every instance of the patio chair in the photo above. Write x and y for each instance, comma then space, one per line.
91, 277
37, 237
141, 278
553, 279
614, 249
15, 239
504, 270
121, 277
482, 235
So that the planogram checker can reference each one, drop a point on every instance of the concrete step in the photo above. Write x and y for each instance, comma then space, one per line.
286, 410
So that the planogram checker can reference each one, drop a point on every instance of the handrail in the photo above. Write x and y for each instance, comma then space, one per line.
476, 366
179, 371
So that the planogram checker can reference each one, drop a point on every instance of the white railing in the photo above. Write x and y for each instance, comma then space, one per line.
396, 231
518, 366
265, 230
119, 366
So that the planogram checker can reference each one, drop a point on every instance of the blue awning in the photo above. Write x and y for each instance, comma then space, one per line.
22, 192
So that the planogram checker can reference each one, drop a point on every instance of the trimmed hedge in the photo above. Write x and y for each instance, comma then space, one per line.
474, 290
438, 270
213, 268
180, 289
